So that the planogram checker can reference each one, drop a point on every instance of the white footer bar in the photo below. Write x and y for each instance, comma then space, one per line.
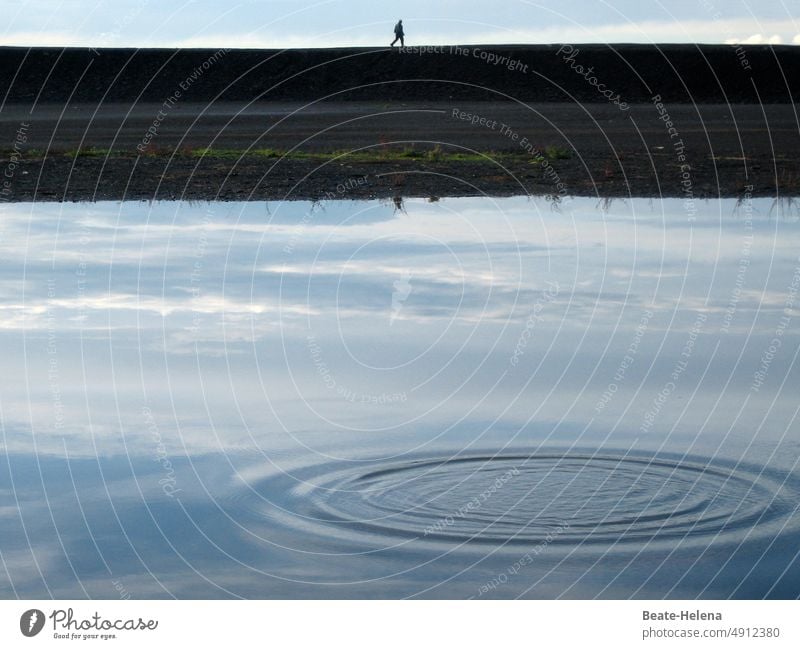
406, 624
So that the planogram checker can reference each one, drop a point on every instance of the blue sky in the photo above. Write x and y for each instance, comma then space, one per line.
326, 23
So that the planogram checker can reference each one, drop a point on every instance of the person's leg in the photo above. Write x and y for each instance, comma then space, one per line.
402, 42
393, 42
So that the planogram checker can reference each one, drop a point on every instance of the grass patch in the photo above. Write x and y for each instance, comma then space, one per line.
92, 152
376, 155
436, 154
412, 154
557, 153
235, 153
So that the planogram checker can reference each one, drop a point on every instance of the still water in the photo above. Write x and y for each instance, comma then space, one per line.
463, 398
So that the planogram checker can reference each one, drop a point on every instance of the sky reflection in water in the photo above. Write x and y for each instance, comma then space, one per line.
462, 398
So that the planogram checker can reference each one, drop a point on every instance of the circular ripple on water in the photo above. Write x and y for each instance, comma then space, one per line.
557, 498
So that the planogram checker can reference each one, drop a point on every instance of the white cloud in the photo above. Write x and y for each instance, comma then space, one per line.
756, 39
45, 39
688, 31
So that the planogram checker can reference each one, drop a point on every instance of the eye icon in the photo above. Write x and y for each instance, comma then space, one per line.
31, 622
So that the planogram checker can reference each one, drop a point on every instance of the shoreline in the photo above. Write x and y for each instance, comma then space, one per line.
66, 178
232, 151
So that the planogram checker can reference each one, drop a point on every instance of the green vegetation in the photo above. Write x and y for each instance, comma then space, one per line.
557, 153
233, 153
435, 154
379, 154
374, 155
91, 152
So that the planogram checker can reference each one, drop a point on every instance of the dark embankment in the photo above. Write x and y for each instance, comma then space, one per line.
246, 124
678, 73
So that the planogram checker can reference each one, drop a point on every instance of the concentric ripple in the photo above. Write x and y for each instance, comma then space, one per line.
533, 498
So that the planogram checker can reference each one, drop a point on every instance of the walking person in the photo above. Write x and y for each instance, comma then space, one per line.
398, 34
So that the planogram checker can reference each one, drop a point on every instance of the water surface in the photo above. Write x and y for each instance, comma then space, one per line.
459, 398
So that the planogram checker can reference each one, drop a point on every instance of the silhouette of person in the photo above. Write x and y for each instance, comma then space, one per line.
398, 34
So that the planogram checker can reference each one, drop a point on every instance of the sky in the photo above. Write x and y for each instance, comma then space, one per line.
338, 23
